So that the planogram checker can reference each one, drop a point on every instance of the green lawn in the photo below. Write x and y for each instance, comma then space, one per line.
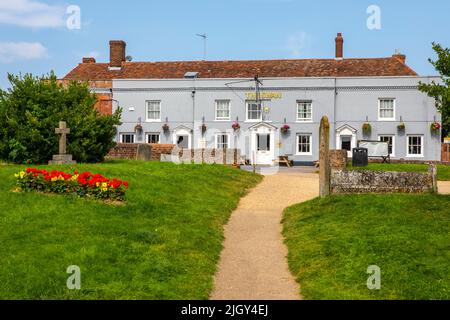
163, 244
443, 170
332, 241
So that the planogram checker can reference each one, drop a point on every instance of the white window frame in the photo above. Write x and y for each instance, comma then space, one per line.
422, 142
216, 137
300, 102
147, 119
122, 134
229, 110
298, 142
394, 104
153, 134
393, 142
247, 103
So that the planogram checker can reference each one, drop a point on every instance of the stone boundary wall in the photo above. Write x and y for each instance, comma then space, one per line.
207, 156
129, 151
367, 181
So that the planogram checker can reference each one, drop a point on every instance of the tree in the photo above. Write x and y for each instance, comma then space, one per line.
441, 91
31, 110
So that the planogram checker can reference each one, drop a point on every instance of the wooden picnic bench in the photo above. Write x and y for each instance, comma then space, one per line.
285, 160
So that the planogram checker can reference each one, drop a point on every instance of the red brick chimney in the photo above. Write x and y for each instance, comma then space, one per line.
400, 57
89, 60
339, 46
116, 53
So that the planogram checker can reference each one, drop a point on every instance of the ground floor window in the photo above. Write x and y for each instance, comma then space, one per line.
153, 138
222, 141
390, 140
304, 144
127, 137
415, 145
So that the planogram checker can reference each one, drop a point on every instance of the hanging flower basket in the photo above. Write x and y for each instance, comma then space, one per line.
401, 126
138, 128
285, 128
366, 128
236, 126
435, 126
166, 128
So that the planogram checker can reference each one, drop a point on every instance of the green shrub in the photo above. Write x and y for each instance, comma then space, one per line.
33, 107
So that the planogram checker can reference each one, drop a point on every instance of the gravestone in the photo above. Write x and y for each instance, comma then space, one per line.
62, 157
324, 158
144, 152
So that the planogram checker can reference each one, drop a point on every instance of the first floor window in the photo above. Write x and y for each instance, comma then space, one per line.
222, 141
390, 141
415, 145
127, 137
153, 138
304, 144
254, 111
153, 110
223, 110
386, 109
304, 111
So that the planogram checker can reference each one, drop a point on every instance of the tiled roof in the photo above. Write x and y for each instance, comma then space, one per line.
372, 67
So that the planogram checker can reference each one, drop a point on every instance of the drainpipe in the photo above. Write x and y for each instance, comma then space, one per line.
334, 113
193, 114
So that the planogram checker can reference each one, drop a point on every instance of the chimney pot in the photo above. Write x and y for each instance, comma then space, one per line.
88, 60
339, 46
116, 53
399, 56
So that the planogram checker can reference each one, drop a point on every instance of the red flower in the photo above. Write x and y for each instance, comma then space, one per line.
125, 183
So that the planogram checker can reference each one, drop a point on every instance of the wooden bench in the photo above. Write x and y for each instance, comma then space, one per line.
285, 160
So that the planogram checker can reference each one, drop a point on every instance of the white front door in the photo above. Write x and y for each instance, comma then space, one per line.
183, 139
263, 146
346, 139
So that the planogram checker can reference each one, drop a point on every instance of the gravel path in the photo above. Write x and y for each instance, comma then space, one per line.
444, 187
253, 264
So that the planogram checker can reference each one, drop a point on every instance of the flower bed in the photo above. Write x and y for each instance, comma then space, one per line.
81, 184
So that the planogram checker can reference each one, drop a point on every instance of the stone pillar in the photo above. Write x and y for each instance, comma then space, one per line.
433, 172
324, 157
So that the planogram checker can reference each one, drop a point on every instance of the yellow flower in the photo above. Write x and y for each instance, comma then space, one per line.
74, 178
16, 175
54, 179
22, 174
98, 184
104, 185
104, 189
61, 178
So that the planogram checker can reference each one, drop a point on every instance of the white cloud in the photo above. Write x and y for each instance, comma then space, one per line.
32, 14
297, 42
16, 51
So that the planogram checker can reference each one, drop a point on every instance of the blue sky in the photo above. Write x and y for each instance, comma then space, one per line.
34, 36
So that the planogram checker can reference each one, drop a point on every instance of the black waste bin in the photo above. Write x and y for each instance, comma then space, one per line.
360, 157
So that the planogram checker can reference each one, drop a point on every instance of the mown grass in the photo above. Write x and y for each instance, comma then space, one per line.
332, 242
443, 170
163, 244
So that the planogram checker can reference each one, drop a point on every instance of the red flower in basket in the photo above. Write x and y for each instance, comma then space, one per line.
435, 126
236, 126
285, 128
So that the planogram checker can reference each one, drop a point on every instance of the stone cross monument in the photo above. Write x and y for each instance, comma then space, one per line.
324, 157
62, 157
